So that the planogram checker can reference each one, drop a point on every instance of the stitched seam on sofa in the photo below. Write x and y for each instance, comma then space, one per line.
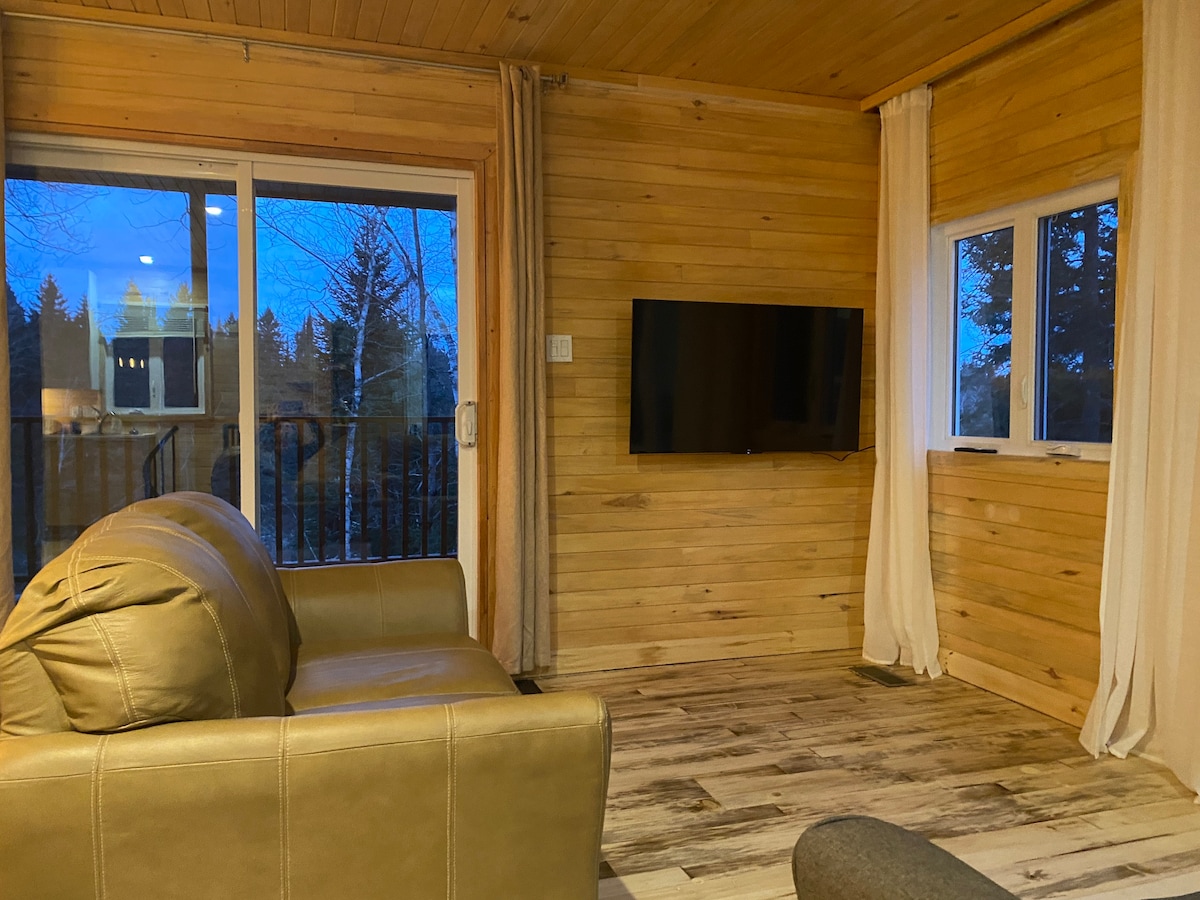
285, 861
589, 726
212, 614
98, 873
211, 551
114, 658
383, 651
450, 886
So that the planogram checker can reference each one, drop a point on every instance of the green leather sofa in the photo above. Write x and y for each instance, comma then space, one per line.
179, 719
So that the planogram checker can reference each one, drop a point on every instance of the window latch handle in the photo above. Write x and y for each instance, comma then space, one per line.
1025, 392
466, 423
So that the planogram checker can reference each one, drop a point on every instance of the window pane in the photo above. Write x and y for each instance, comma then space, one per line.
105, 272
983, 333
357, 373
1077, 292
131, 378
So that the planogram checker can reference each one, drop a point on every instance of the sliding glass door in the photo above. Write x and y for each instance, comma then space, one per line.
133, 276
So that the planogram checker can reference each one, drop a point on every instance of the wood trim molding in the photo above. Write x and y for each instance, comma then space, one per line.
1046, 14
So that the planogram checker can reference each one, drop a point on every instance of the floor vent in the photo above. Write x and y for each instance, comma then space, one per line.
886, 677
527, 686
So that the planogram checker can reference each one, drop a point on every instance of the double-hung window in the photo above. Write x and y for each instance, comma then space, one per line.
1024, 327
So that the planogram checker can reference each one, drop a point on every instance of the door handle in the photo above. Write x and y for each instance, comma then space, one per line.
466, 424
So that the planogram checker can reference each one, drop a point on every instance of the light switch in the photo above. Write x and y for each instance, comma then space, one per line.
558, 348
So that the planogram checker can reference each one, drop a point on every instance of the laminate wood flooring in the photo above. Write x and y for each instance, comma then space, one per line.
718, 766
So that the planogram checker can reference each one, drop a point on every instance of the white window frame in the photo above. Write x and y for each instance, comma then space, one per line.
1023, 218
243, 169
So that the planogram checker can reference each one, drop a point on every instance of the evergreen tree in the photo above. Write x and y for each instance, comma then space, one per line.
985, 301
65, 337
25, 358
366, 291
1079, 316
180, 313
138, 313
272, 360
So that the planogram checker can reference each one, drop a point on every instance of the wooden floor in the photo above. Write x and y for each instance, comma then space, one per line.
718, 767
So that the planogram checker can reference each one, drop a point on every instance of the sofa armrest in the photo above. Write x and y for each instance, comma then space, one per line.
860, 858
499, 797
361, 600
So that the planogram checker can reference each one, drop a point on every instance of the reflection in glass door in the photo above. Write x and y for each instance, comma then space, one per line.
123, 334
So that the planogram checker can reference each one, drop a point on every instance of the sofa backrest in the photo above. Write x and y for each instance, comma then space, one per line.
141, 621
224, 526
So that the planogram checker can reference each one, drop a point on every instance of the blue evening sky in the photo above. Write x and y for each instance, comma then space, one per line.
95, 240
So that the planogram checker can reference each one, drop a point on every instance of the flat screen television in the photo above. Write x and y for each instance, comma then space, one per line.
744, 377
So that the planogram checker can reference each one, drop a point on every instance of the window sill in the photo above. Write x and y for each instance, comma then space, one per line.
949, 456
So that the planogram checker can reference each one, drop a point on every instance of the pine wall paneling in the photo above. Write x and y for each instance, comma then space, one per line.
1018, 542
669, 558
1059, 109
1017, 545
648, 194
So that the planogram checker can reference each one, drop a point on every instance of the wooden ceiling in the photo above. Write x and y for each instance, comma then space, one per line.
848, 49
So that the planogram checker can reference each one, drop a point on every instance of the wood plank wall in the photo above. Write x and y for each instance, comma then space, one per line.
1018, 542
81, 78
660, 559
648, 194
1059, 109
1017, 546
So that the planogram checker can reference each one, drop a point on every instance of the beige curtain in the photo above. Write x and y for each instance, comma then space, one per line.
900, 618
521, 636
6, 556
1148, 697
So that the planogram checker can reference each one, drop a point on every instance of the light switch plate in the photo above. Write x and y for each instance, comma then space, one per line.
558, 348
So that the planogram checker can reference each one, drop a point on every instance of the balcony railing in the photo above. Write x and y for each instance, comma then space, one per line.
371, 487
330, 489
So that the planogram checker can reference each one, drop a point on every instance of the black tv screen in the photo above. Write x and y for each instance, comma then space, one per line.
743, 377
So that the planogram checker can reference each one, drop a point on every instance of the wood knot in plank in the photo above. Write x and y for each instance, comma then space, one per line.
629, 501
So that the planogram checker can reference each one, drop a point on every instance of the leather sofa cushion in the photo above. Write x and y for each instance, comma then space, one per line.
224, 526
141, 622
394, 671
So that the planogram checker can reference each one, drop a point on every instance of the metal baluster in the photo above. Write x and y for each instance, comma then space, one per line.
425, 493
385, 480
404, 490
277, 453
322, 487
32, 557
444, 486
362, 490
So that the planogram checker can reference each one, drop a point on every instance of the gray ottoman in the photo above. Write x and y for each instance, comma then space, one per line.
860, 858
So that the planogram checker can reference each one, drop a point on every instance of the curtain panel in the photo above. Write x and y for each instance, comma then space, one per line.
900, 618
1148, 696
521, 634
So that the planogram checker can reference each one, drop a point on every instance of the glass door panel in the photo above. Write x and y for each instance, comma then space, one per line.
123, 331
358, 373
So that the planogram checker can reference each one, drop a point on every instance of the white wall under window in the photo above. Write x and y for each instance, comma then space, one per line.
1002, 354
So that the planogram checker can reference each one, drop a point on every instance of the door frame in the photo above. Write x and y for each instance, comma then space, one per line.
243, 168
